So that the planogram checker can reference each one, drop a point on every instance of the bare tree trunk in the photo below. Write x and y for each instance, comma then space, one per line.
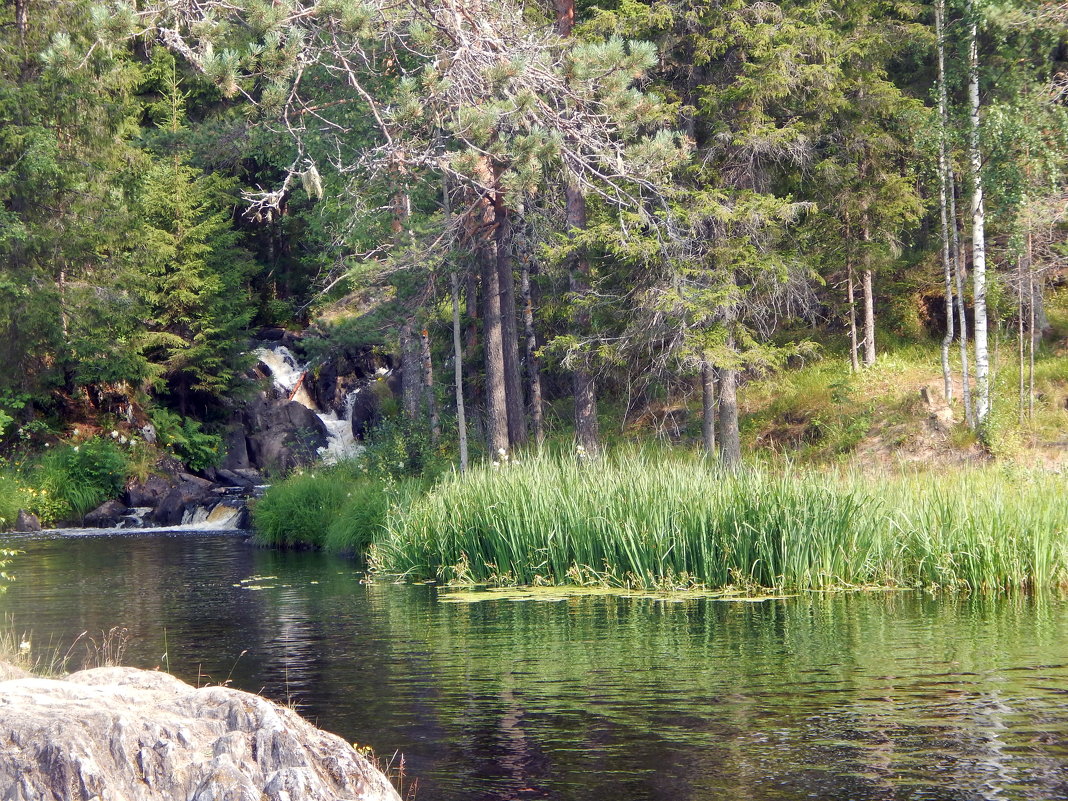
982, 355
565, 16
943, 191
513, 384
471, 301
492, 345
1020, 332
410, 390
1033, 335
854, 361
22, 19
708, 407
458, 371
962, 317
869, 299
537, 412
730, 446
429, 396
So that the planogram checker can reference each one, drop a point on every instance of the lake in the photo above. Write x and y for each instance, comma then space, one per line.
834, 696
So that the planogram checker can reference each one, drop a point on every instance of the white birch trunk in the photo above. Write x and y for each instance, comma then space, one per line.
944, 190
982, 354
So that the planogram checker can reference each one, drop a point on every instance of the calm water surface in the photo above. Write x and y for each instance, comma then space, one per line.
885, 696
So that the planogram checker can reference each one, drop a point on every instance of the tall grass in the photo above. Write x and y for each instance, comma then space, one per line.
632, 520
299, 510
330, 508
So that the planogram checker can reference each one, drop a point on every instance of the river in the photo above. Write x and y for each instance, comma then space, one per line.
842, 696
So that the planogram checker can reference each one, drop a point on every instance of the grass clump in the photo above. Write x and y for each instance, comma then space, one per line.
300, 509
653, 523
334, 508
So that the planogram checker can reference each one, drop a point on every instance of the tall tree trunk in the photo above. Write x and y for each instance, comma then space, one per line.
962, 317
537, 411
982, 354
869, 298
565, 16
410, 381
493, 347
943, 190
513, 384
708, 406
730, 446
1021, 284
1033, 335
854, 360
22, 18
429, 396
458, 371
584, 387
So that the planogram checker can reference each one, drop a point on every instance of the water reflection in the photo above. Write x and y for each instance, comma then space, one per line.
887, 696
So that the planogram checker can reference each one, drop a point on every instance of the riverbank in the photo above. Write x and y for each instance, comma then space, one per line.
644, 521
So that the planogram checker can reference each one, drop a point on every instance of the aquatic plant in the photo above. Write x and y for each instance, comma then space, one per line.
636, 521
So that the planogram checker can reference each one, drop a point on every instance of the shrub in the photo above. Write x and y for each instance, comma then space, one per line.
197, 449
399, 448
300, 509
79, 478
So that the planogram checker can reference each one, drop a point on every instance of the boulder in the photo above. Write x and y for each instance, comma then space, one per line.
26, 522
231, 479
112, 733
108, 515
235, 449
185, 497
287, 435
147, 493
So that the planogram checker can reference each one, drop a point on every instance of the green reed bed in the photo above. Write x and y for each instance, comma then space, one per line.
338, 509
638, 521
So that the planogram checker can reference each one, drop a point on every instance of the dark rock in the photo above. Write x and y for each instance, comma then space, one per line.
191, 479
271, 334
232, 479
235, 449
289, 435
108, 515
169, 466
366, 410
26, 522
255, 476
148, 492
185, 497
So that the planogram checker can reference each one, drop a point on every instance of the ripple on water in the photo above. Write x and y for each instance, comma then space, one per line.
884, 696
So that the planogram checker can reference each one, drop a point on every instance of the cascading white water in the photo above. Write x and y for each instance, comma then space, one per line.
287, 372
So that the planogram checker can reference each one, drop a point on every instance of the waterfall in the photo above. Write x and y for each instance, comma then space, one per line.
288, 374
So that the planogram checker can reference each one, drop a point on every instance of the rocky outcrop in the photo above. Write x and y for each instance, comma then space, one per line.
112, 733
107, 515
186, 497
283, 436
148, 492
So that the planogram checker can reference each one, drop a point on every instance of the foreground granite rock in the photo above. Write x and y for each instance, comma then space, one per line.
121, 733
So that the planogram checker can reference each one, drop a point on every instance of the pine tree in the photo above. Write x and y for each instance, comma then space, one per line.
192, 269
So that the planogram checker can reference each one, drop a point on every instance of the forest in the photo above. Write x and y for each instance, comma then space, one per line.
553, 220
